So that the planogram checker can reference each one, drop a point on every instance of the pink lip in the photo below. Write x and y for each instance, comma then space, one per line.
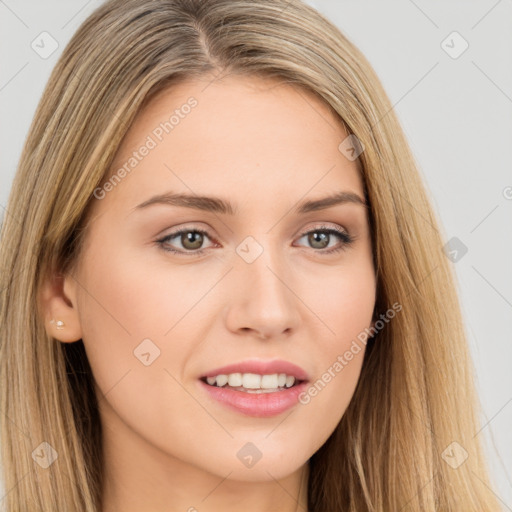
252, 404
261, 368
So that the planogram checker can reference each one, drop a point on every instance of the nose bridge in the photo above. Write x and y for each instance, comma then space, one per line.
263, 299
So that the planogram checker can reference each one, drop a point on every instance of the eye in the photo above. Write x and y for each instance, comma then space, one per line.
320, 237
191, 240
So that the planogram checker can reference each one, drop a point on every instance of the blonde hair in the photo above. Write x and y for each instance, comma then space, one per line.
415, 395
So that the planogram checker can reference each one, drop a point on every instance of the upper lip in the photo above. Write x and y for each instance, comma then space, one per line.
260, 367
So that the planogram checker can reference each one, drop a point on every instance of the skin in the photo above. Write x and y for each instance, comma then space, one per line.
168, 446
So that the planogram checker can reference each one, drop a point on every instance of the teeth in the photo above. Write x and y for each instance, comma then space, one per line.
235, 379
270, 381
221, 380
252, 381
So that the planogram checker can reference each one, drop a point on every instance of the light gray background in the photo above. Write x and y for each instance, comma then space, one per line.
457, 116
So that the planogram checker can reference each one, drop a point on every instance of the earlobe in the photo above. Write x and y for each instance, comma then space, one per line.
59, 324
59, 305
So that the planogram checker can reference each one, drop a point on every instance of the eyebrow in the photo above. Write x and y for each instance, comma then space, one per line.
219, 205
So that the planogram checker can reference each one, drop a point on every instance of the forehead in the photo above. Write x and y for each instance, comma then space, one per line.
240, 136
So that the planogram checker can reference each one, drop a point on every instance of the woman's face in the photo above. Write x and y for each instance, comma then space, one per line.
256, 278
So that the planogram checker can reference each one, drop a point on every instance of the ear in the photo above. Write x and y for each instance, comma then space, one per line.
58, 300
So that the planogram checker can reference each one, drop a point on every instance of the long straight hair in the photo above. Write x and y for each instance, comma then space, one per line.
415, 396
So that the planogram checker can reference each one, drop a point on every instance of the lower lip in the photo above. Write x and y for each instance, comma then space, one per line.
261, 405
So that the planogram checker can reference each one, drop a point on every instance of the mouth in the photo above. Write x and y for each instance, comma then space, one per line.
256, 387
249, 400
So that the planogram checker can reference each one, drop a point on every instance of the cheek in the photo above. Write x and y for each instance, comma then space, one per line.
344, 304
130, 316
131, 294
342, 300
126, 309
330, 391
349, 311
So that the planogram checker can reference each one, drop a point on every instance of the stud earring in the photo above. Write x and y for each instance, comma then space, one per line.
59, 323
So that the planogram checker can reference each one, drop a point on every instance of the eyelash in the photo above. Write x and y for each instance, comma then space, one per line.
346, 239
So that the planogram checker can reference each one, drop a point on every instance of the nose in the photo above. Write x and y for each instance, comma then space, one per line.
263, 303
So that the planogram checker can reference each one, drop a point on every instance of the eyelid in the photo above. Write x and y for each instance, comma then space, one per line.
324, 226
